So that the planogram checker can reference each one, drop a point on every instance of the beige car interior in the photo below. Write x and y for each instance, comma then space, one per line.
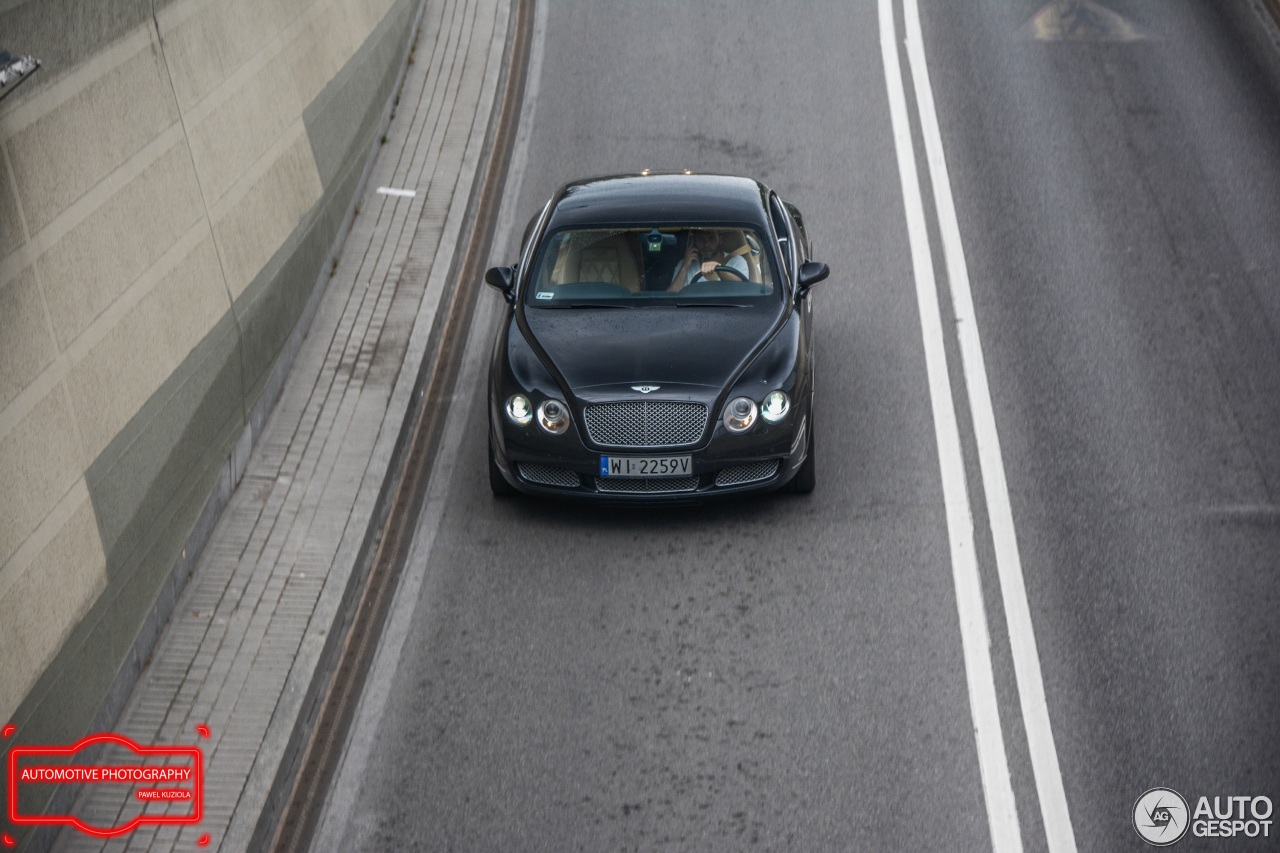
734, 242
614, 257
610, 257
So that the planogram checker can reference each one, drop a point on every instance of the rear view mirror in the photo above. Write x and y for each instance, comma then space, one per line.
811, 272
655, 240
503, 278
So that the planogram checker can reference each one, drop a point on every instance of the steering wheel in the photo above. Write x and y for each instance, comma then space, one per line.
720, 268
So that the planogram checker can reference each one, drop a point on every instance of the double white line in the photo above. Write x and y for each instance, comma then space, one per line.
1002, 812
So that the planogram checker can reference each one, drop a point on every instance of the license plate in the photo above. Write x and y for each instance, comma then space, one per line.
646, 466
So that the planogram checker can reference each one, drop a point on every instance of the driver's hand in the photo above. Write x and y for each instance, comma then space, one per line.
708, 268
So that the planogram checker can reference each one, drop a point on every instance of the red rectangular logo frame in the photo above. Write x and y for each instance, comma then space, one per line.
193, 752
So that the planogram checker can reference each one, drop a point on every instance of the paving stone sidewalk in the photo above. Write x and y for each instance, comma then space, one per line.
246, 634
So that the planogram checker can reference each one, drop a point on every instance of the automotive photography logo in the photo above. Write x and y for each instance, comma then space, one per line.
149, 784
1162, 816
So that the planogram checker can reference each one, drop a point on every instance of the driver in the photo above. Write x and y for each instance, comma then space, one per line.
703, 254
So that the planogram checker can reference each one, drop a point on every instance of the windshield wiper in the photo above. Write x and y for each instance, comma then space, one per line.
595, 305
711, 305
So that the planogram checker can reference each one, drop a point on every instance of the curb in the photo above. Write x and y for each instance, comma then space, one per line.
316, 743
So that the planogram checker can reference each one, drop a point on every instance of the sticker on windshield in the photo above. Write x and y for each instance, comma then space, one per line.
545, 294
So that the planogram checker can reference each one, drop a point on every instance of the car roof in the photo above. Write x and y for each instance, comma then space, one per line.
651, 199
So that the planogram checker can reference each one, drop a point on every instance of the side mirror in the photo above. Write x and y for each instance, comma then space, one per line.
811, 272
503, 278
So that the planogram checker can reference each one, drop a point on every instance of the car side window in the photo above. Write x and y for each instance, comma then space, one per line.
786, 241
526, 242
528, 232
803, 248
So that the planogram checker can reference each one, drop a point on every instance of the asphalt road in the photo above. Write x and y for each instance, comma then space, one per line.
788, 672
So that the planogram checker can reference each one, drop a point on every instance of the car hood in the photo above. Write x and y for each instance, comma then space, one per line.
600, 349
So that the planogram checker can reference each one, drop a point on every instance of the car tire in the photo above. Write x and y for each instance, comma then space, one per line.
497, 483
806, 478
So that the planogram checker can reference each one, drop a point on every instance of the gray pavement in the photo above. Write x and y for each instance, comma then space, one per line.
788, 673
783, 673
247, 633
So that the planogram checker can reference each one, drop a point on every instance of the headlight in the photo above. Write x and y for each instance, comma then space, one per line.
519, 410
740, 414
775, 406
553, 417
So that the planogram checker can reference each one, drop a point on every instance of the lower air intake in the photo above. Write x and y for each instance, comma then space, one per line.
546, 475
736, 475
636, 487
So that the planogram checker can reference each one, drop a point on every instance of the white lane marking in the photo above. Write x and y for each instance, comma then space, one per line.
1022, 637
1002, 812
397, 192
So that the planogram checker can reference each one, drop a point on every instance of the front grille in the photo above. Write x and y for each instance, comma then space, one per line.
623, 485
736, 475
645, 423
548, 476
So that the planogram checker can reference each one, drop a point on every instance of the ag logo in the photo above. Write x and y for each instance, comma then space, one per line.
1160, 816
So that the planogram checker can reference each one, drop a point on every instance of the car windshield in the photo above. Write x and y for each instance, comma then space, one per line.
677, 266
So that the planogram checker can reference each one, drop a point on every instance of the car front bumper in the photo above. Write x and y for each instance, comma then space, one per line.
726, 465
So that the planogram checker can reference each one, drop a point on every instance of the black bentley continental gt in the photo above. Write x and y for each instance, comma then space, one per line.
658, 344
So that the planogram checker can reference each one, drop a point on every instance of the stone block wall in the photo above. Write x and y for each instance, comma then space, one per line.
171, 185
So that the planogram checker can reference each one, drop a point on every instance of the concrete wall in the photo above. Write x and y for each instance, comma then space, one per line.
171, 184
